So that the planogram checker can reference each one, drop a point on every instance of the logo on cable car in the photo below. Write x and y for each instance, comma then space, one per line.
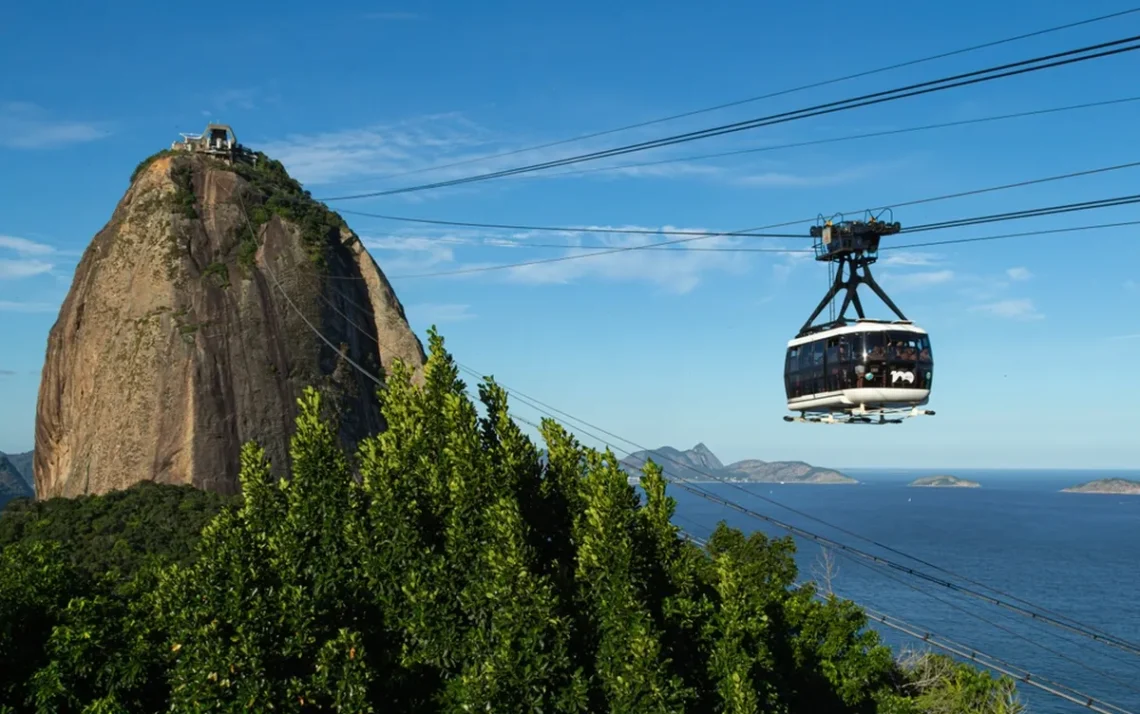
902, 376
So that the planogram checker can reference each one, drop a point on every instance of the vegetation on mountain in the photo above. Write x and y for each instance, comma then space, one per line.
276, 193
440, 567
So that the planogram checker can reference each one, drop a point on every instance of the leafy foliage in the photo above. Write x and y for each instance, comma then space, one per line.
116, 532
443, 567
183, 200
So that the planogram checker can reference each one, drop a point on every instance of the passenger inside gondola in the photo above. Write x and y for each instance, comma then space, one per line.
858, 360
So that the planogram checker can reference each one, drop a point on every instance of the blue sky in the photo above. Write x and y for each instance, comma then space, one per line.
1032, 337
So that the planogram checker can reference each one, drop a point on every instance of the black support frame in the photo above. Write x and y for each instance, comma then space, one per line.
858, 272
852, 245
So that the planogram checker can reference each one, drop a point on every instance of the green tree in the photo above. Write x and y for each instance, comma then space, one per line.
442, 567
36, 583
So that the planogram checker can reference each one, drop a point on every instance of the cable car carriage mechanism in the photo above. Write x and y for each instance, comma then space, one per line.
862, 371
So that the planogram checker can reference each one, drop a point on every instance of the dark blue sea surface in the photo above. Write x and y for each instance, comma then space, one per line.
1074, 554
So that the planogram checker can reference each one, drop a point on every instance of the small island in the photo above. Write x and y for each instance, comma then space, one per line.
1115, 486
944, 481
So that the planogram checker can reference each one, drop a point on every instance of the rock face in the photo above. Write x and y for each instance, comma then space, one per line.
701, 465
191, 327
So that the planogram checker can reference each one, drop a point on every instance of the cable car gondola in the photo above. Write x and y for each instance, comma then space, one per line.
860, 371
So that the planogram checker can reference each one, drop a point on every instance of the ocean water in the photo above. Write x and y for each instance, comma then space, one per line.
1073, 554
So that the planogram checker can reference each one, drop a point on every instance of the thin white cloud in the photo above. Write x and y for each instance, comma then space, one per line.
26, 126
11, 269
677, 271
399, 154
911, 259
1013, 309
912, 281
1019, 273
1131, 285
376, 151
396, 254
1133, 336
23, 246
236, 99
779, 179
424, 314
17, 306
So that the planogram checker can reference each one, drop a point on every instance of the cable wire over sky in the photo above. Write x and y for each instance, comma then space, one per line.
943, 225
1004, 600
1057, 59
773, 95
1053, 688
742, 233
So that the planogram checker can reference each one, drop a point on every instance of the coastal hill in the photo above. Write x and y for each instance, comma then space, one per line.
190, 329
944, 481
12, 483
23, 465
1116, 486
699, 464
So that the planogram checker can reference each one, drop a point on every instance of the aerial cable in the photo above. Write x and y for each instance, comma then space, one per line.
973, 654
568, 229
770, 95
703, 543
879, 570
954, 81
547, 409
993, 663
964, 651
839, 139
740, 233
712, 497
871, 566
965, 222
913, 202
1026, 213
1077, 628
804, 251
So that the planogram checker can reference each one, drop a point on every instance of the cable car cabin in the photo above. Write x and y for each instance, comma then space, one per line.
868, 366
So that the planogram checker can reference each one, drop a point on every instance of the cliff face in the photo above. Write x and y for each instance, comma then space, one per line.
184, 333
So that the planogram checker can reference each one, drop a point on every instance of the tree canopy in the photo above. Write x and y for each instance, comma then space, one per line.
442, 567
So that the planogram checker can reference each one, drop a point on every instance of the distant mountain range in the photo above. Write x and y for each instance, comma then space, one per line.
13, 481
23, 464
700, 464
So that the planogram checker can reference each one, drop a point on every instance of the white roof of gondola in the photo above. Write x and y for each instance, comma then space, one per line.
859, 326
